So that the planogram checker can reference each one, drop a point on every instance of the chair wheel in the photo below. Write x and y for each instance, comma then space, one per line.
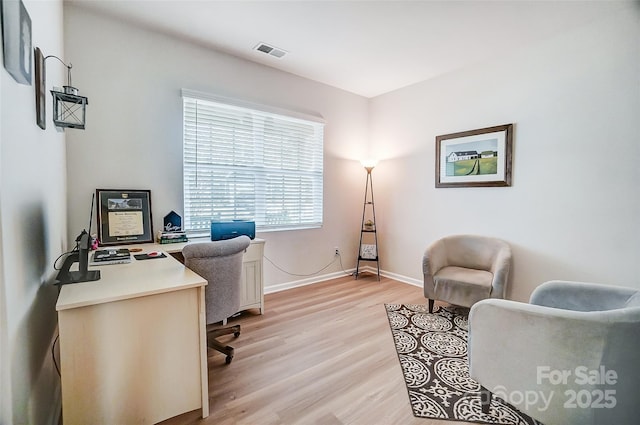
228, 359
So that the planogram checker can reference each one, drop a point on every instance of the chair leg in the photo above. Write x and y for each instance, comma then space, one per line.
216, 345
431, 302
485, 400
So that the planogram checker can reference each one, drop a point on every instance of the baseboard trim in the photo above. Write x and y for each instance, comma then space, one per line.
401, 278
322, 278
304, 282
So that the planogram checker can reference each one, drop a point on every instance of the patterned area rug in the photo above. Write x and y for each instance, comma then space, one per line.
432, 349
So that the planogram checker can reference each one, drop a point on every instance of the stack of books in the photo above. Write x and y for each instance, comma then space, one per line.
172, 237
110, 256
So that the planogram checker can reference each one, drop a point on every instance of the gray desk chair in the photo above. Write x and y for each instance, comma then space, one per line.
219, 262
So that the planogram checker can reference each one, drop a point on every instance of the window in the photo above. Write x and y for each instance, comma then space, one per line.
242, 163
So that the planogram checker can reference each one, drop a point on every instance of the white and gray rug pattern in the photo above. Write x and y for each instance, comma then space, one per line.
432, 349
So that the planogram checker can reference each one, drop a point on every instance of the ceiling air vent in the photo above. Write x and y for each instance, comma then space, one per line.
270, 50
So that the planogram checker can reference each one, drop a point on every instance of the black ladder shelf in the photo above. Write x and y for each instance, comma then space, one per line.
366, 231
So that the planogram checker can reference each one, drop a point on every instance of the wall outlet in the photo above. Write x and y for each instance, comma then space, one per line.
337, 251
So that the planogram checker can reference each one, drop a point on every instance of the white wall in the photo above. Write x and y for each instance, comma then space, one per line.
133, 138
32, 235
573, 99
572, 211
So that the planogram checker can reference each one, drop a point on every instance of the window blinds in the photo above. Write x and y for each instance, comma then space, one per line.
247, 164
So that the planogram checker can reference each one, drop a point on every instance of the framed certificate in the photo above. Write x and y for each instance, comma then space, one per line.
124, 216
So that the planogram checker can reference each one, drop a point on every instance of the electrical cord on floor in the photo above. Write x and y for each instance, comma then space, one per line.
339, 257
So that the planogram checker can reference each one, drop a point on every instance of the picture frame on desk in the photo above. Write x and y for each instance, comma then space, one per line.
124, 216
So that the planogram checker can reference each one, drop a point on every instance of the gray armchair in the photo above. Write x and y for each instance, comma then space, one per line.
219, 262
464, 269
570, 356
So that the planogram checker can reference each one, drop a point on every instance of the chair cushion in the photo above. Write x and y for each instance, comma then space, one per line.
462, 286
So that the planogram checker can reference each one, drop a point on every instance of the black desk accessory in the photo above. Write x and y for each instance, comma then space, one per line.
79, 255
111, 256
150, 256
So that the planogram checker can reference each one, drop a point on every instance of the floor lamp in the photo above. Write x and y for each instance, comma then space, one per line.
367, 251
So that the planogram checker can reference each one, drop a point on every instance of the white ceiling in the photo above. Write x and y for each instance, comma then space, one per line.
365, 47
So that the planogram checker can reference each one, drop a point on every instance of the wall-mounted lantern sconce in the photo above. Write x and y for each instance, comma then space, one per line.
69, 108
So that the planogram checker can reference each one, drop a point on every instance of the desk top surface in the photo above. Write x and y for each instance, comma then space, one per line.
130, 280
135, 279
177, 247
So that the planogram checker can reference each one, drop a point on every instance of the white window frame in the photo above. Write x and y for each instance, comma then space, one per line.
269, 159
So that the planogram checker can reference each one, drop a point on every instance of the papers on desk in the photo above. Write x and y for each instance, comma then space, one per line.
110, 256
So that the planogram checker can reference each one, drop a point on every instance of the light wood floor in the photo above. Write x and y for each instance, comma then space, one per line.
321, 354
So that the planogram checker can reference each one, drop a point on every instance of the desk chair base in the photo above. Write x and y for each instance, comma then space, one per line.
224, 349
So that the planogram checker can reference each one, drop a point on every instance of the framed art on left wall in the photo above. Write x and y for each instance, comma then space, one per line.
16, 40
124, 216
40, 77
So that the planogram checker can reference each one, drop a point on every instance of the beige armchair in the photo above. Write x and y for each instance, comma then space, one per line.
464, 269
568, 357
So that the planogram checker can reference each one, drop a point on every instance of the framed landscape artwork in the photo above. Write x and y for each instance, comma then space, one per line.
475, 158
124, 216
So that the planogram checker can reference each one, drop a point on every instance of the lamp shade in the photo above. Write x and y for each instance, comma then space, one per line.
369, 164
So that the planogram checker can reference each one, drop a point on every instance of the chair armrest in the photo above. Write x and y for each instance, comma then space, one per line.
500, 268
435, 258
581, 296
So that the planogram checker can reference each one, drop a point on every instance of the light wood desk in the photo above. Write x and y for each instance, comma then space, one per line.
133, 344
